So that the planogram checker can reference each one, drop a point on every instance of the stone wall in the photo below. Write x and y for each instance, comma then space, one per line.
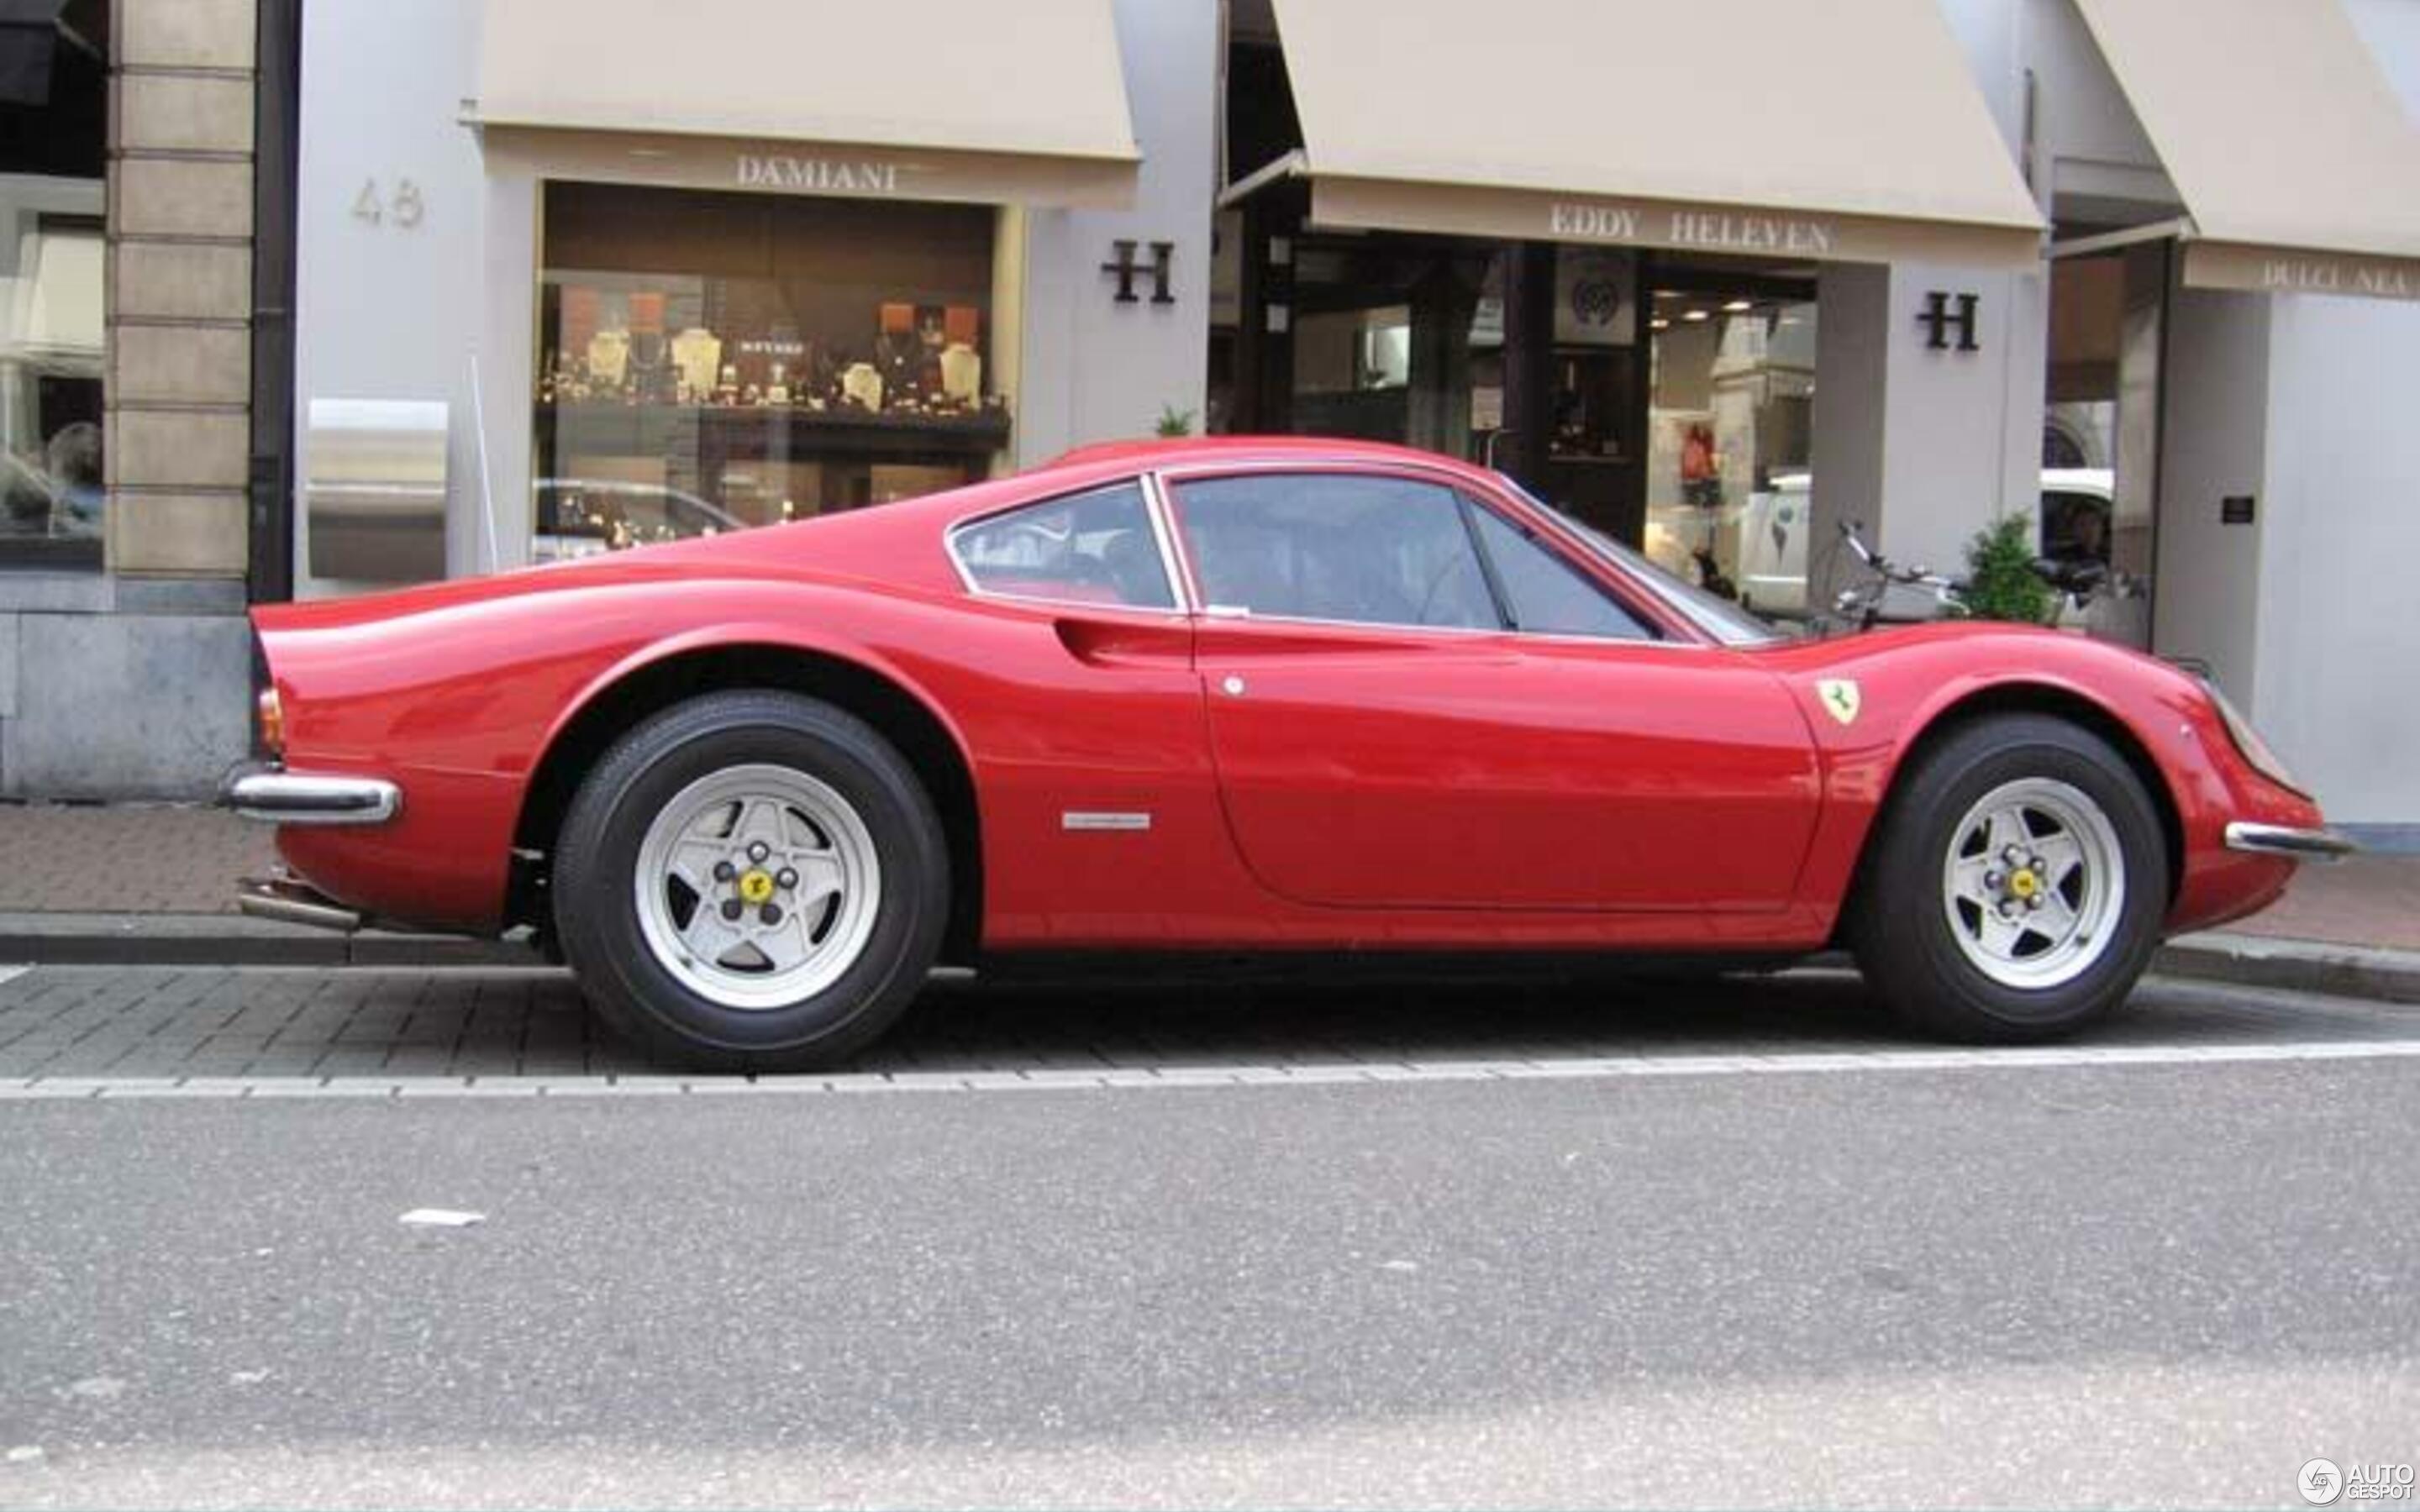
180, 217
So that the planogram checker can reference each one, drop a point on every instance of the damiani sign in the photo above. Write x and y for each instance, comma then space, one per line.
826, 176
1720, 230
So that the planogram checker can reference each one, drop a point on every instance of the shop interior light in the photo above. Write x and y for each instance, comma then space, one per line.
1739, 307
1695, 314
1659, 323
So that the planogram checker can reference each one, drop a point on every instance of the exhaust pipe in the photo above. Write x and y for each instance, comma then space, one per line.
289, 901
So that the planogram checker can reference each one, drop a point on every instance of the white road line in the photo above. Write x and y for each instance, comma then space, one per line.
1586, 1067
10, 973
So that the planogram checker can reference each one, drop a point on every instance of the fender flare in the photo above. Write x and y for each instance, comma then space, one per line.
733, 635
1859, 781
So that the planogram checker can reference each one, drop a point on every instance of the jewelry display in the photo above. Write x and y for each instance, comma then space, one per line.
922, 360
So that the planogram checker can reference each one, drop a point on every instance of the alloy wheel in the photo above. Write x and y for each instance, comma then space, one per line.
757, 886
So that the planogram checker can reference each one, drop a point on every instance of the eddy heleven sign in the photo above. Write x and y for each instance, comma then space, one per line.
818, 176
1718, 230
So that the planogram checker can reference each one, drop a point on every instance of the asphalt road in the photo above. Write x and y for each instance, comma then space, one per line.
1771, 1278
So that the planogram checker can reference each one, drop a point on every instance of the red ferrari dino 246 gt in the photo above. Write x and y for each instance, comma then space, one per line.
1239, 697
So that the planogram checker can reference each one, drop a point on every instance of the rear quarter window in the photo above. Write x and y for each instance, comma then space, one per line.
1091, 548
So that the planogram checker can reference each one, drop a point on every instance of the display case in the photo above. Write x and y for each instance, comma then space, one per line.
718, 362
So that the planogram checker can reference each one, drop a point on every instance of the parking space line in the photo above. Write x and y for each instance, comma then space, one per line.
1825, 1062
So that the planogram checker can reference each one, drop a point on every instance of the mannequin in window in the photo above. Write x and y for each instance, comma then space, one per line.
74, 463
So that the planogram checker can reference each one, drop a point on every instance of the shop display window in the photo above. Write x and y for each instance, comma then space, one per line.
1730, 429
52, 499
54, 331
712, 361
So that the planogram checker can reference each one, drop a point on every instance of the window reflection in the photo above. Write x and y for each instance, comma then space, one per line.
1096, 547
710, 362
1731, 431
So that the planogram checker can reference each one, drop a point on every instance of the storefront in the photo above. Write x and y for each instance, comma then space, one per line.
1601, 266
573, 276
1722, 278
2234, 296
635, 305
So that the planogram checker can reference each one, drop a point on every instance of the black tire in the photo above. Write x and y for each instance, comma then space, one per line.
596, 913
1900, 930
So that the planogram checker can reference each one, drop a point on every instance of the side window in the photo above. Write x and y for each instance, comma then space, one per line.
1362, 550
1093, 548
1543, 594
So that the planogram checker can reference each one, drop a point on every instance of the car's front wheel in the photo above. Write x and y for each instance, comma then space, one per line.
2015, 889
752, 881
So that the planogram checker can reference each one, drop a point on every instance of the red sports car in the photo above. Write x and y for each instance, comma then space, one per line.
1243, 696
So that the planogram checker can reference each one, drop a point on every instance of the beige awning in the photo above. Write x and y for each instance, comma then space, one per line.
957, 100
1847, 130
2297, 164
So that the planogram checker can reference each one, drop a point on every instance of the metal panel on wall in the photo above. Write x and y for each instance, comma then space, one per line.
374, 490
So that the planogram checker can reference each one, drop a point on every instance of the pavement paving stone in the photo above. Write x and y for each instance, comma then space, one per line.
61, 1021
126, 858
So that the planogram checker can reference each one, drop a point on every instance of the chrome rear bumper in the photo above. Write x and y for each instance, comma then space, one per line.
2280, 839
267, 792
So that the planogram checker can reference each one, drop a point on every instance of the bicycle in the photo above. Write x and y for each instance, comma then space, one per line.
1863, 606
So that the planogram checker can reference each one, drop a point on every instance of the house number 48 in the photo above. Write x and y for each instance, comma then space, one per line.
405, 207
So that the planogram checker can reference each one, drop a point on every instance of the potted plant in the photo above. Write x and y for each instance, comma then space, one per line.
2001, 582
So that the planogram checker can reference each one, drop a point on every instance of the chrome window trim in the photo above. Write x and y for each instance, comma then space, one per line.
1142, 483
1553, 550
1454, 482
1163, 525
1678, 607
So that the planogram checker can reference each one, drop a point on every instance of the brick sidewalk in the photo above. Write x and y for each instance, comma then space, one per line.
2368, 899
368, 1026
136, 859
125, 858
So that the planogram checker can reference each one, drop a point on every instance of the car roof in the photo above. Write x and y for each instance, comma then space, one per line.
899, 541
1182, 450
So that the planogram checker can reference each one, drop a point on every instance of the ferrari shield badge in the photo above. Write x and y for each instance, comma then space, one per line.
1839, 696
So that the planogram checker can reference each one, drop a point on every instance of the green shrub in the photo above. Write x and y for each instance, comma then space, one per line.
1174, 422
2001, 583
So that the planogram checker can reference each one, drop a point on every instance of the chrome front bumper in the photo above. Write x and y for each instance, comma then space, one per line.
267, 792
2280, 839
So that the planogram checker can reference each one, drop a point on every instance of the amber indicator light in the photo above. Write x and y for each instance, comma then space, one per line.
272, 715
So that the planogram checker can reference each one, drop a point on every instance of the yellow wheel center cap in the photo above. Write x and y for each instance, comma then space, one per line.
2024, 885
755, 887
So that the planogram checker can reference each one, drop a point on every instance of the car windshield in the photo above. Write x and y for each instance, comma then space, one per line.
1717, 616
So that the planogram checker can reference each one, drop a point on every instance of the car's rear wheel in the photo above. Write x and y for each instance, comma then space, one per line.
2015, 889
752, 881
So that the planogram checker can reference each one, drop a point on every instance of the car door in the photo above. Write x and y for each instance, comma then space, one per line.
1387, 732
